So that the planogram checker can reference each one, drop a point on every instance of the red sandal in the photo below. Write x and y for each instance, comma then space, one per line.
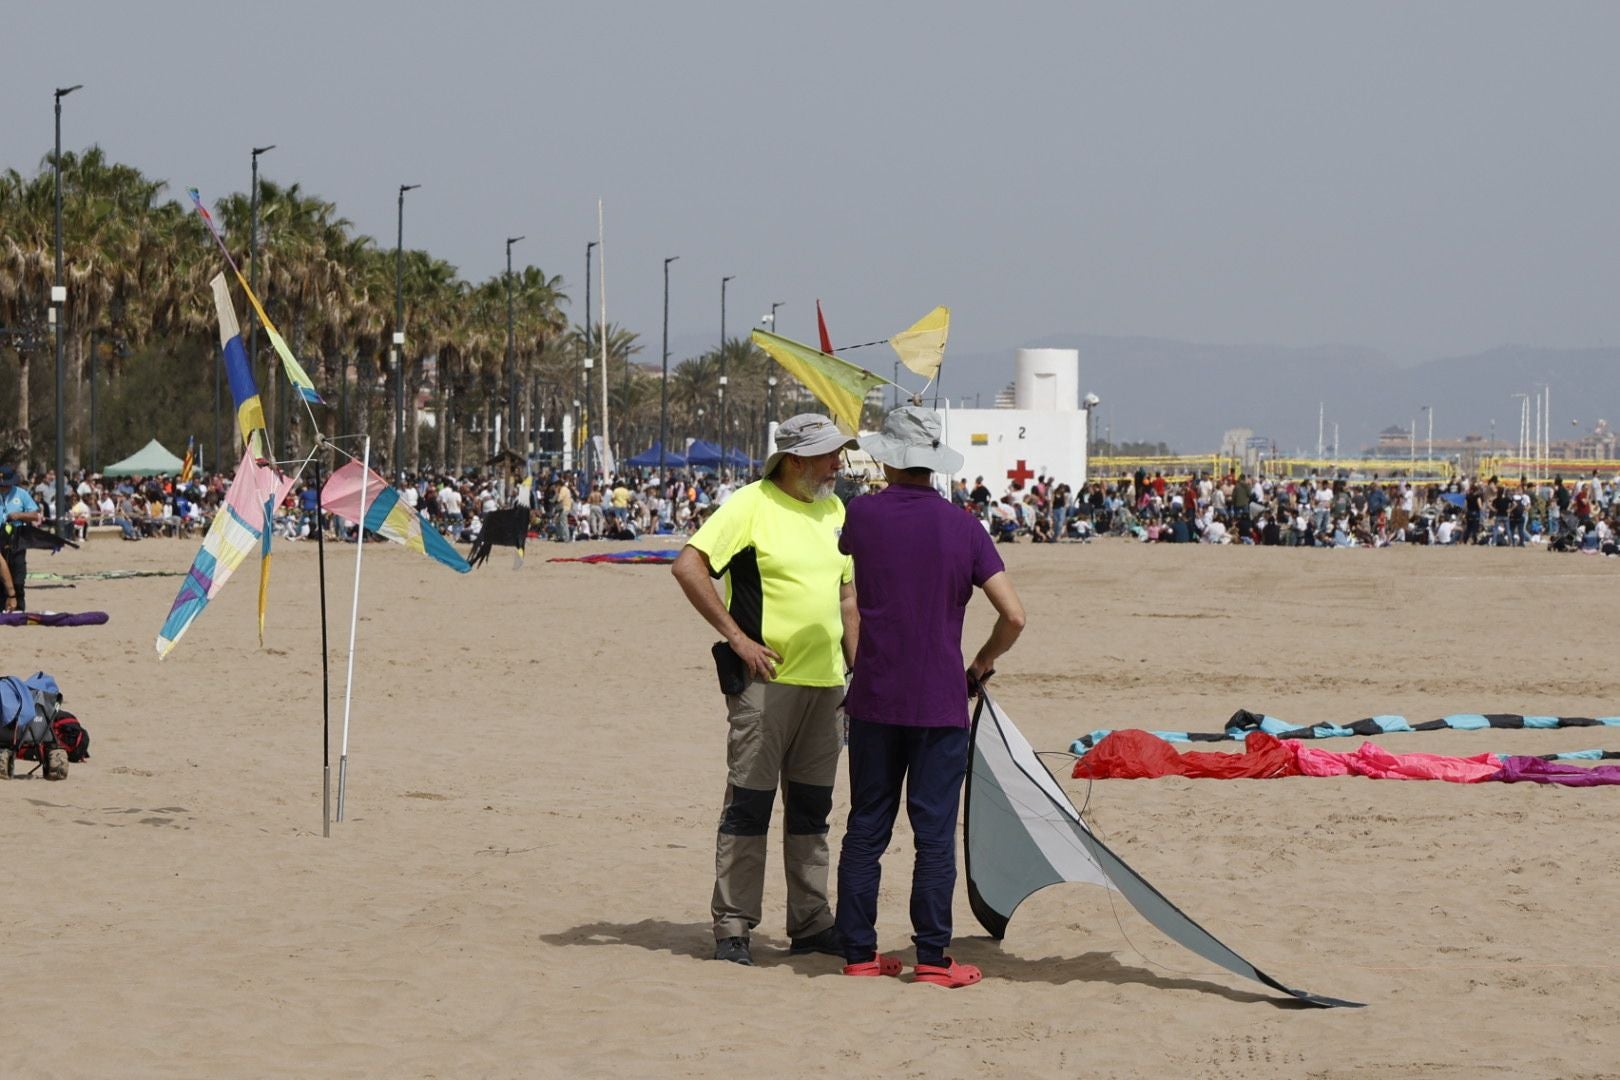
950, 974
880, 965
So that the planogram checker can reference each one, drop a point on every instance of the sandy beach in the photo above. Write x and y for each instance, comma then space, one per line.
521, 885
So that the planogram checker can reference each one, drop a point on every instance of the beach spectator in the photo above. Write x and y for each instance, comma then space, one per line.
562, 501
595, 521
980, 496
20, 508
789, 631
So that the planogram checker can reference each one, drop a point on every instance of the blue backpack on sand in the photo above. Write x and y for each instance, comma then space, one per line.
30, 712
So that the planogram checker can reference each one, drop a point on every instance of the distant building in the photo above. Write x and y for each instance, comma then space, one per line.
1040, 431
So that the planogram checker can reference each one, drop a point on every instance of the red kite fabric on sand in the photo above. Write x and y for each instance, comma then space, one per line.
1141, 755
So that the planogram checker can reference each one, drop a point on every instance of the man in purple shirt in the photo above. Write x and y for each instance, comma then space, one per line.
917, 559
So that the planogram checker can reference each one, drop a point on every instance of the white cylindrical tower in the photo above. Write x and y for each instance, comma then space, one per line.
1047, 380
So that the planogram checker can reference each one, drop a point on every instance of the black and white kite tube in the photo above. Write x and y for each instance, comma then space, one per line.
1021, 833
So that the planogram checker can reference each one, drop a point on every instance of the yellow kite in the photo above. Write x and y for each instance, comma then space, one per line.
837, 384
921, 347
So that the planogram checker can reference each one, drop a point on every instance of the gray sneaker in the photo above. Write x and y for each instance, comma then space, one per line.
734, 949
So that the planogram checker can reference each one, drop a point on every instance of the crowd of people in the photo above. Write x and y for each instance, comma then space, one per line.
1316, 511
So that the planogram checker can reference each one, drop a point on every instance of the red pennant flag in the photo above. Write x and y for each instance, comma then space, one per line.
821, 324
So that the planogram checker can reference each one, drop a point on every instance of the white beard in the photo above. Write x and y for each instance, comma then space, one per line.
827, 490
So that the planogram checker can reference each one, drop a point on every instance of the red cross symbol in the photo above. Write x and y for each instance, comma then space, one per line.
1020, 474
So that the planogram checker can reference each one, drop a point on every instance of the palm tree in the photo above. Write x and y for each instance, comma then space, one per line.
108, 212
433, 294
26, 208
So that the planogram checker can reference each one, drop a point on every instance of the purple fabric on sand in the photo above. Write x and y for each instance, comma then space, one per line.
52, 618
1535, 770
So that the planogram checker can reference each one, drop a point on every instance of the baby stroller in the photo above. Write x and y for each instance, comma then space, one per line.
28, 711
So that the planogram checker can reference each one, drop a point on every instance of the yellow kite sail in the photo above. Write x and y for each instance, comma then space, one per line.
837, 384
921, 346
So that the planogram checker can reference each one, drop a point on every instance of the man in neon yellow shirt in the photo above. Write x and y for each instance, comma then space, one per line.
789, 623
621, 502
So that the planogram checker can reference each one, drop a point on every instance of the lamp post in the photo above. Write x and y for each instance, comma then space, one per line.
58, 299
770, 367
1428, 450
399, 336
511, 345
770, 396
663, 391
722, 402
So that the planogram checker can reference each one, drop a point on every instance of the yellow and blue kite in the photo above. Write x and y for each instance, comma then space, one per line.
289, 363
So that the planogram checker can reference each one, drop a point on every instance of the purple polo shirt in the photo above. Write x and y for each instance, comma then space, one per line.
917, 561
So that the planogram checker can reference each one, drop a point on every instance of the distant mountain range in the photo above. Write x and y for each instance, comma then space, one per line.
1188, 395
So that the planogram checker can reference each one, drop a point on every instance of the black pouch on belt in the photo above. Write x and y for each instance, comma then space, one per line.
733, 673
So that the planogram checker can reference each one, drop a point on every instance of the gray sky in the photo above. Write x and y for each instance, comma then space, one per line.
1426, 179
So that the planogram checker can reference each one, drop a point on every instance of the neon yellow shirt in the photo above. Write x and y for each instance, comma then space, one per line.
783, 569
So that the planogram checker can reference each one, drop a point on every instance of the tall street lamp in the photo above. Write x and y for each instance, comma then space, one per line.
1428, 412
663, 391
511, 346
58, 299
253, 283
722, 404
399, 336
770, 381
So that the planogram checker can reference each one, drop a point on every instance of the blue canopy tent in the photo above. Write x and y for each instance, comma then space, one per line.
648, 458
705, 455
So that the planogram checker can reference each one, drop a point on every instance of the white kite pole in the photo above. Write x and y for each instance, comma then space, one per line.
354, 621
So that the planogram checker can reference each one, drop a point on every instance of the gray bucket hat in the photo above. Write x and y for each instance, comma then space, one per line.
910, 439
807, 435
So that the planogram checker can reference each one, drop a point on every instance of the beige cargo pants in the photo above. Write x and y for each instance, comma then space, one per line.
780, 736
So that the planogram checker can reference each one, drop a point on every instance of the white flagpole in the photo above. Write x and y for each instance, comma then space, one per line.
601, 243
354, 621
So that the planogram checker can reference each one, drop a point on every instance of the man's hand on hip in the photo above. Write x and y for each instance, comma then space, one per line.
761, 659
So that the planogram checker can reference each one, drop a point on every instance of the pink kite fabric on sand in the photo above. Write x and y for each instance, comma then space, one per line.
1373, 761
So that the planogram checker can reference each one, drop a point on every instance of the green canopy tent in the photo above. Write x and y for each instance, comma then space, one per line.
150, 460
